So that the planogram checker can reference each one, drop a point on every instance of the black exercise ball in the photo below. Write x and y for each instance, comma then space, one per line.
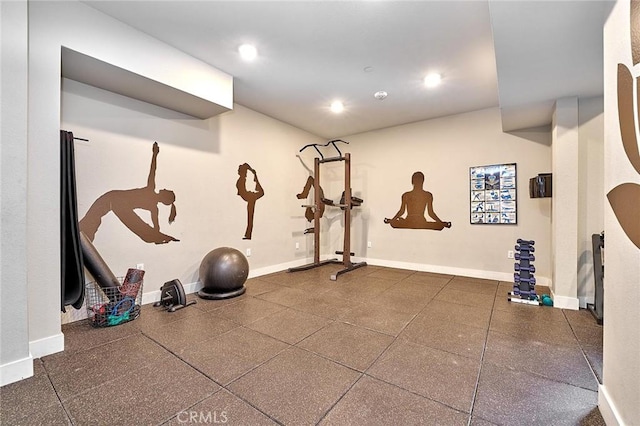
223, 272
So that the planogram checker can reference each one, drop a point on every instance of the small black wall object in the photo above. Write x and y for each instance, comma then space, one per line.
173, 297
541, 186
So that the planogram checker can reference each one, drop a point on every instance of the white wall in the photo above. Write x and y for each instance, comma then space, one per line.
15, 359
444, 149
96, 35
198, 160
578, 176
591, 190
565, 168
619, 396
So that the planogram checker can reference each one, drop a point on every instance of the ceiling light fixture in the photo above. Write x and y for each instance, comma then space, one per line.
337, 107
248, 52
432, 80
380, 95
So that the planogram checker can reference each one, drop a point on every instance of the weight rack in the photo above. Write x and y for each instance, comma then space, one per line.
523, 280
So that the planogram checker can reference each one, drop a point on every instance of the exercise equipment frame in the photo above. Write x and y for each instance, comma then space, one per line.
349, 202
597, 307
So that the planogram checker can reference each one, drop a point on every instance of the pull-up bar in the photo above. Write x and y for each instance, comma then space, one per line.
333, 143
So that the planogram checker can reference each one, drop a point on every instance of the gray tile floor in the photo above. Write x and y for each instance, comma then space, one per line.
379, 346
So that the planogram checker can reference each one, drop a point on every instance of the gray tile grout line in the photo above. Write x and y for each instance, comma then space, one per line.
324, 415
332, 321
484, 349
188, 365
171, 354
222, 386
584, 354
533, 373
525, 372
414, 393
84, 391
62, 403
64, 408
99, 345
362, 373
225, 387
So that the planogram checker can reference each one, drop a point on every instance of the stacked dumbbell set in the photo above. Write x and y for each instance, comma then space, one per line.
524, 281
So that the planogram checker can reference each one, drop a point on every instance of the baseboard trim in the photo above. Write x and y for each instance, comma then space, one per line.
189, 288
607, 408
583, 301
565, 302
450, 270
153, 296
15, 371
280, 267
47, 346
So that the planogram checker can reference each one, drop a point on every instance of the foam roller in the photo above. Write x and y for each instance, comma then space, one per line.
96, 265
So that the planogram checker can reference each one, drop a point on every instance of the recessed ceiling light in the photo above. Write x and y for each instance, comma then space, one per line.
248, 52
337, 107
368, 69
432, 80
380, 95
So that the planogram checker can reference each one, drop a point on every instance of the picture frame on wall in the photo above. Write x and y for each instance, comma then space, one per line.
493, 194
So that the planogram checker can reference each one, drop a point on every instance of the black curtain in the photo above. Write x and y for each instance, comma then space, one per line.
72, 282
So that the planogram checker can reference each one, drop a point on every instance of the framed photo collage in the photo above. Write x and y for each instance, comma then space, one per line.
493, 194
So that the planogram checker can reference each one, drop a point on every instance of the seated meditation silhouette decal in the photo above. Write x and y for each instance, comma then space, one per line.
414, 203
123, 204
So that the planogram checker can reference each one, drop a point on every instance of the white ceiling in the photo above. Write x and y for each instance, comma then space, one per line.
519, 55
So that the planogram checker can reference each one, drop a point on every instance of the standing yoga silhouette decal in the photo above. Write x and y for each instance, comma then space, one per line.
414, 203
123, 204
249, 196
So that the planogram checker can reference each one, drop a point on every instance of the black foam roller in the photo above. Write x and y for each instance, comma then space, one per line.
96, 265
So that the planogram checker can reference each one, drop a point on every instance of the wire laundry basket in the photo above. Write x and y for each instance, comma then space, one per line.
109, 306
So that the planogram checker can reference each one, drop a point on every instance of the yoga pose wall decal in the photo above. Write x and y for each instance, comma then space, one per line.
625, 197
308, 213
123, 204
249, 196
414, 203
